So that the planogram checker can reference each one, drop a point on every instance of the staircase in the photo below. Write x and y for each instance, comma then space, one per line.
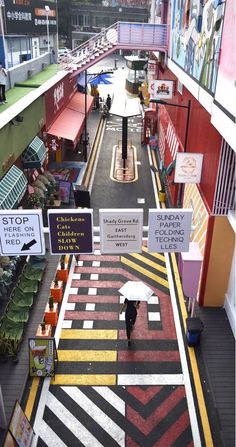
121, 35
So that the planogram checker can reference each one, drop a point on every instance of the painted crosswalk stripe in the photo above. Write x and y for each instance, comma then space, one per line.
84, 379
150, 379
145, 272
94, 334
111, 398
49, 436
97, 414
86, 356
72, 423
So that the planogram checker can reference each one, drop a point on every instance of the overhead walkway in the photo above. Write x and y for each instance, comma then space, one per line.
121, 35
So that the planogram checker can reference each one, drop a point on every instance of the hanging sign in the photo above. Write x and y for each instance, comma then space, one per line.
188, 167
160, 89
42, 357
21, 232
169, 230
121, 230
70, 232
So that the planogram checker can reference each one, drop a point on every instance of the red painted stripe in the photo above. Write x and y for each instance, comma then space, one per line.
146, 425
99, 270
102, 258
90, 283
148, 356
93, 299
174, 431
76, 315
144, 396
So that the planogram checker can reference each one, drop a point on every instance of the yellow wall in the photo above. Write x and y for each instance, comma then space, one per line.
222, 249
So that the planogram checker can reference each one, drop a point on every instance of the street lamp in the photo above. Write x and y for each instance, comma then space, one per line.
47, 9
160, 101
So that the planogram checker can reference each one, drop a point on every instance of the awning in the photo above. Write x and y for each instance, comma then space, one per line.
12, 188
70, 123
35, 154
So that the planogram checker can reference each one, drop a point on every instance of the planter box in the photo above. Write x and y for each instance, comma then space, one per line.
51, 316
62, 274
57, 292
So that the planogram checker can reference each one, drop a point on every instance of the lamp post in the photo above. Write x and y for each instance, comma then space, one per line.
47, 9
187, 107
2, 5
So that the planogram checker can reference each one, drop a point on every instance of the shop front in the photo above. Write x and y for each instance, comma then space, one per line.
65, 119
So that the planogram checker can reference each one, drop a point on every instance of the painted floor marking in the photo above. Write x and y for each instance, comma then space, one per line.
111, 398
75, 355
67, 324
187, 382
32, 396
94, 334
71, 422
97, 414
90, 306
70, 306
49, 436
154, 316
145, 272
88, 324
84, 379
73, 290
150, 379
92, 291
154, 255
148, 261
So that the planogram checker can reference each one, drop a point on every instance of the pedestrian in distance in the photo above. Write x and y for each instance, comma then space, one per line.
108, 101
130, 316
3, 83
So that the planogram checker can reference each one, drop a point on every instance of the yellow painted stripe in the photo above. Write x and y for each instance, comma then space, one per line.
193, 361
88, 334
154, 255
32, 397
84, 379
86, 356
145, 272
147, 261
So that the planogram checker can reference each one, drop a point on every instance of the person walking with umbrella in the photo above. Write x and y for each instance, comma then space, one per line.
130, 316
134, 291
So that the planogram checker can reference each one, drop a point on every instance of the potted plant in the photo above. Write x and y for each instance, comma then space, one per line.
51, 302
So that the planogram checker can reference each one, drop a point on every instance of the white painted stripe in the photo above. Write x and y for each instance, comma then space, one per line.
94, 276
70, 306
111, 397
150, 379
80, 263
96, 414
154, 316
153, 300
154, 185
189, 394
88, 324
96, 264
69, 420
76, 276
90, 306
67, 324
73, 290
97, 252
92, 291
49, 436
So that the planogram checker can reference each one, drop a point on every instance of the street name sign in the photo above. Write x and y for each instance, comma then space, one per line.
70, 232
121, 230
169, 230
21, 232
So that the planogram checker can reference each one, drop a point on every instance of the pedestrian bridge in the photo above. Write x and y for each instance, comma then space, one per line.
121, 35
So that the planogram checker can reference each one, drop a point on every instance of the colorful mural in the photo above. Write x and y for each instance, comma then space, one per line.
196, 38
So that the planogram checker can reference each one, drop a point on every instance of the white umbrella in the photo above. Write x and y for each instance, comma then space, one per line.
136, 291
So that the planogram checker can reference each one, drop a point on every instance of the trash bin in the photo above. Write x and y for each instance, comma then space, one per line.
193, 331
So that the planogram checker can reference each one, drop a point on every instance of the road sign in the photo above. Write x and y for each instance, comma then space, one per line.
169, 230
21, 232
121, 230
71, 231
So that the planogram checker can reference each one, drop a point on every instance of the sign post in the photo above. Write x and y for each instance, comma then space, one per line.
21, 232
169, 230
